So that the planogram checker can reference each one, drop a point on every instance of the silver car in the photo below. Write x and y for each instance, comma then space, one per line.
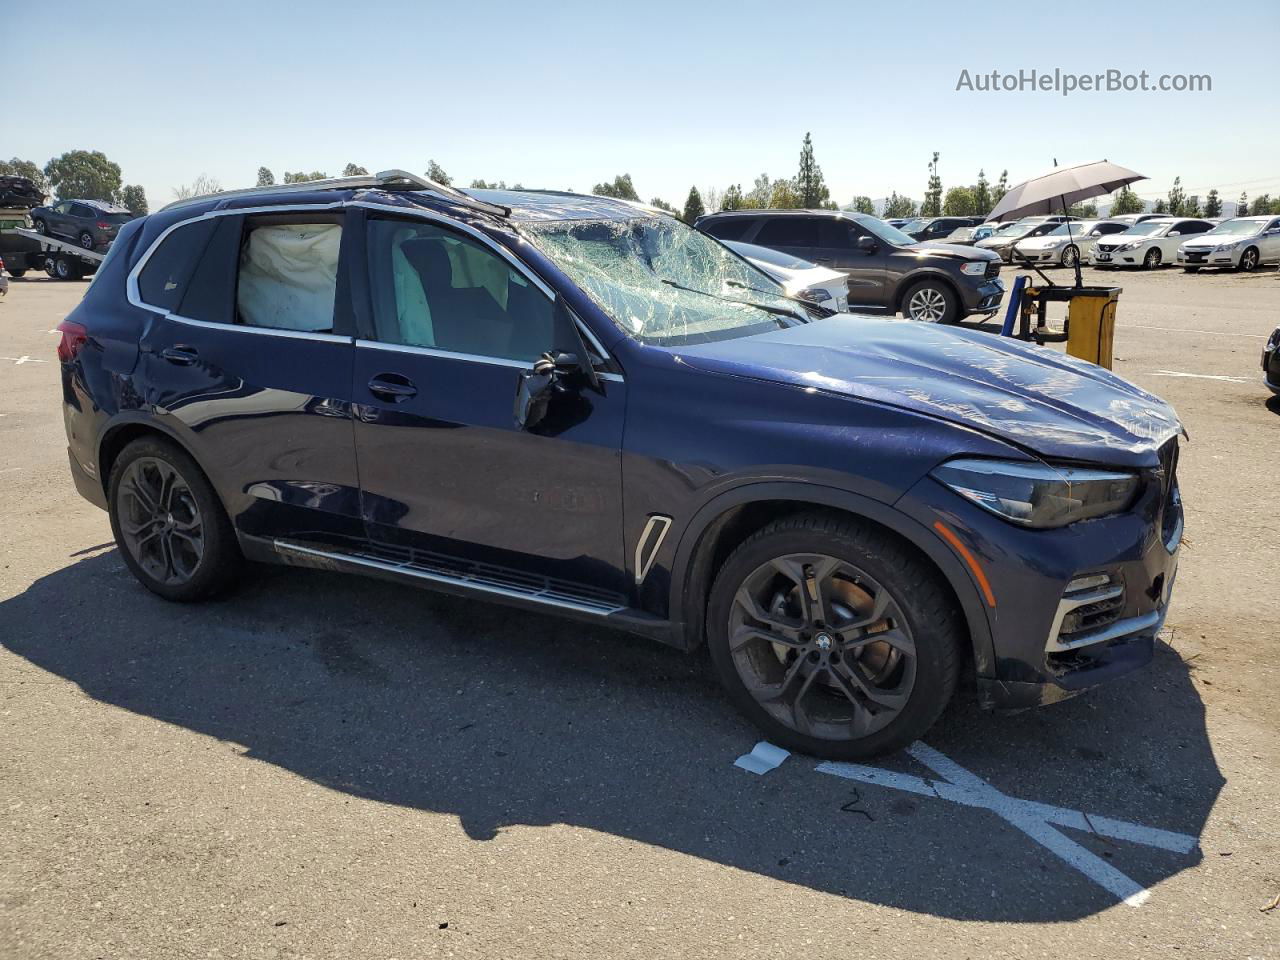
1002, 240
1244, 243
1068, 243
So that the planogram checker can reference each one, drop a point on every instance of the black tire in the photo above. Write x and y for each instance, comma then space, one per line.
1070, 256
931, 301
1190, 269
192, 507
41, 226
1152, 260
916, 593
1249, 260
18, 274
51, 267
66, 268
86, 240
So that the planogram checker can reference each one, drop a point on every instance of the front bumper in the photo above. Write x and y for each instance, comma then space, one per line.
1115, 258
1037, 658
1207, 258
985, 297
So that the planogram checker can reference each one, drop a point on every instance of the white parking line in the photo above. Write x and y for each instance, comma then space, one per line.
1196, 376
22, 360
1207, 333
1036, 820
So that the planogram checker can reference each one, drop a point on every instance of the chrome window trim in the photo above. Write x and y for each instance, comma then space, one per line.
642, 563
468, 357
269, 331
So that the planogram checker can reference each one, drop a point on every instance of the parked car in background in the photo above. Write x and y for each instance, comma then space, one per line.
1067, 242
1150, 244
1244, 243
1135, 218
19, 193
90, 223
850, 512
887, 269
800, 278
1271, 362
898, 221
970, 235
1002, 241
936, 228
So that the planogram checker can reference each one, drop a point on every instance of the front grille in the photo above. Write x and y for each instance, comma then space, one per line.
1197, 257
993, 269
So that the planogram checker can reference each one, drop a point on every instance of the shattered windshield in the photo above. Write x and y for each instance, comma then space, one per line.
664, 283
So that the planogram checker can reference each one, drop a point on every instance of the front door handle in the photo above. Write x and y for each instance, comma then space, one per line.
392, 387
182, 356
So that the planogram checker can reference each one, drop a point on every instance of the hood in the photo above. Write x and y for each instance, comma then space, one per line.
1204, 240
997, 242
955, 251
1045, 241
1055, 405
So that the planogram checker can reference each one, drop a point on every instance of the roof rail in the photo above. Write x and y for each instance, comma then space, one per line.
384, 178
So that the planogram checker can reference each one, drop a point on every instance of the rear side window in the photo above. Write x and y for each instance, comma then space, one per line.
789, 232
288, 275
163, 281
730, 228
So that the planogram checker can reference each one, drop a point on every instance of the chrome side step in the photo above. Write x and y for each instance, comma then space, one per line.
451, 572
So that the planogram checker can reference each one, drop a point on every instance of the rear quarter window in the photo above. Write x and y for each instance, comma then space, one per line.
731, 228
162, 282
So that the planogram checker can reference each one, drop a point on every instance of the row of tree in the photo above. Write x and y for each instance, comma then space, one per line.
83, 174
90, 175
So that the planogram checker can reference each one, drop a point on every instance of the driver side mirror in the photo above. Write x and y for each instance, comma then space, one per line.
550, 375
1174, 233
866, 244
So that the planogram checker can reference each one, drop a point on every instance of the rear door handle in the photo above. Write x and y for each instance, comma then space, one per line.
392, 387
182, 356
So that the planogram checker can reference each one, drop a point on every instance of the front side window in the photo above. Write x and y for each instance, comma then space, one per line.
288, 275
664, 283
442, 290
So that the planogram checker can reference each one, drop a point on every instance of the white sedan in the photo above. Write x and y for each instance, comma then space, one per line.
1069, 242
1148, 244
800, 278
1244, 243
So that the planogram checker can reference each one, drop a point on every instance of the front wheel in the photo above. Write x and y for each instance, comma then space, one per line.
930, 301
1249, 260
19, 273
833, 638
169, 524
1152, 259
1070, 256
86, 239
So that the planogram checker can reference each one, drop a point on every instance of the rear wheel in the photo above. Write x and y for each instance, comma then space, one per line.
1152, 259
64, 268
41, 226
168, 523
1249, 260
19, 273
832, 638
931, 301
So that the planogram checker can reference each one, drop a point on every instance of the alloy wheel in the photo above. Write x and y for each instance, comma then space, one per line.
1070, 256
86, 240
160, 521
822, 647
1152, 259
1249, 260
928, 305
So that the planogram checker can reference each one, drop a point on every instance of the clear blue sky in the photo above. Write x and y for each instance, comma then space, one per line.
565, 94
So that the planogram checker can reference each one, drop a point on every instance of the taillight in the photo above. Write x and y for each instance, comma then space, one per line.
74, 336
102, 225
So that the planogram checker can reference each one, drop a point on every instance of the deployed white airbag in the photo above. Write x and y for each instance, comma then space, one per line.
288, 276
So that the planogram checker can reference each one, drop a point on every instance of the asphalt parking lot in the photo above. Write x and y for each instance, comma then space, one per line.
321, 767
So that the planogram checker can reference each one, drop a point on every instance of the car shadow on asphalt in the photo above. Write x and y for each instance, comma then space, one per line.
506, 720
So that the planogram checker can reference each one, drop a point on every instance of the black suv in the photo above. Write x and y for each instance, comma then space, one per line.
90, 223
887, 269
19, 193
937, 228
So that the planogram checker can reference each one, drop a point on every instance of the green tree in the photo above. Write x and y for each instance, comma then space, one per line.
25, 168
266, 178
809, 183
896, 207
1084, 211
85, 175
663, 205
1177, 197
693, 207
1242, 205
1161, 207
784, 195
931, 206
732, 198
863, 204
761, 191
135, 198
1000, 189
622, 188
1213, 204
982, 195
1262, 205
960, 202
354, 170
1191, 206
300, 177
436, 172
1126, 201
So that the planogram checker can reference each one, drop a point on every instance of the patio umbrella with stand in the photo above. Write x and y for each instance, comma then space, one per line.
1061, 187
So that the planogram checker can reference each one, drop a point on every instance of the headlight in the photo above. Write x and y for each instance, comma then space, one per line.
1227, 246
1133, 245
814, 294
974, 268
1037, 494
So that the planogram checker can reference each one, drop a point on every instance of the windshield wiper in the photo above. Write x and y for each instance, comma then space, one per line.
776, 311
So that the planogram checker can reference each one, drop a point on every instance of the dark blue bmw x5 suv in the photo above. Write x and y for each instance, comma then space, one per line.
572, 404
